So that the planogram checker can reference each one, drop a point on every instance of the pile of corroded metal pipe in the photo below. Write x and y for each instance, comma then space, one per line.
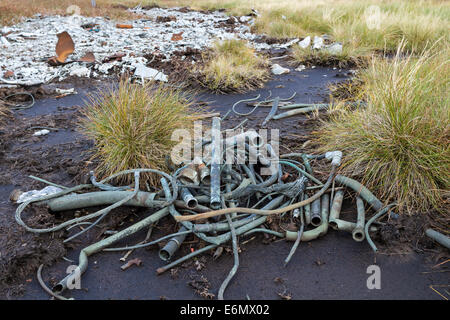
218, 200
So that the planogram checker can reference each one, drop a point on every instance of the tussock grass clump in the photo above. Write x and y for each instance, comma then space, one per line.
362, 26
398, 144
232, 66
132, 127
344, 59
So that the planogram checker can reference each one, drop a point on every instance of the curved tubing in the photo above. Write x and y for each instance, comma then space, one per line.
358, 232
98, 198
438, 237
226, 236
294, 112
343, 225
336, 208
307, 213
96, 247
371, 220
261, 211
245, 183
361, 190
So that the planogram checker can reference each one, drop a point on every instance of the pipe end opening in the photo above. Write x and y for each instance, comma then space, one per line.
215, 205
192, 203
358, 236
164, 255
58, 288
316, 221
206, 180
333, 224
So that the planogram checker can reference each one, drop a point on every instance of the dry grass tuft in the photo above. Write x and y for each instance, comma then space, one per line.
11, 11
232, 66
132, 127
398, 144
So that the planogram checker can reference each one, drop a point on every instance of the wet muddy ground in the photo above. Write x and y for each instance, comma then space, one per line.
332, 267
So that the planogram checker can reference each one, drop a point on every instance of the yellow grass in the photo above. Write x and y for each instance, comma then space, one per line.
419, 22
132, 127
398, 144
232, 66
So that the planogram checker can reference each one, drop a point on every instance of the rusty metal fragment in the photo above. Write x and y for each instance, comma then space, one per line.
130, 263
124, 26
177, 36
64, 46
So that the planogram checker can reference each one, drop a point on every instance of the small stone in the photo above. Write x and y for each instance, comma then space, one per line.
149, 73
277, 69
318, 42
300, 67
305, 42
245, 19
335, 48
81, 72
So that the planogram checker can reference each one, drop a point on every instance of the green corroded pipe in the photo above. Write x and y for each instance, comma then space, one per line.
378, 214
304, 105
229, 195
319, 231
316, 218
172, 245
307, 212
98, 246
438, 237
186, 257
226, 236
343, 225
358, 232
268, 231
336, 208
198, 208
301, 171
221, 226
361, 190
188, 198
99, 198
294, 112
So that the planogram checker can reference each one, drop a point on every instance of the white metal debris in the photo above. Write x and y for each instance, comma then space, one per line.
33, 194
305, 42
149, 73
245, 19
277, 69
25, 47
65, 91
335, 48
35, 39
300, 67
286, 45
4, 41
42, 132
80, 72
318, 42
